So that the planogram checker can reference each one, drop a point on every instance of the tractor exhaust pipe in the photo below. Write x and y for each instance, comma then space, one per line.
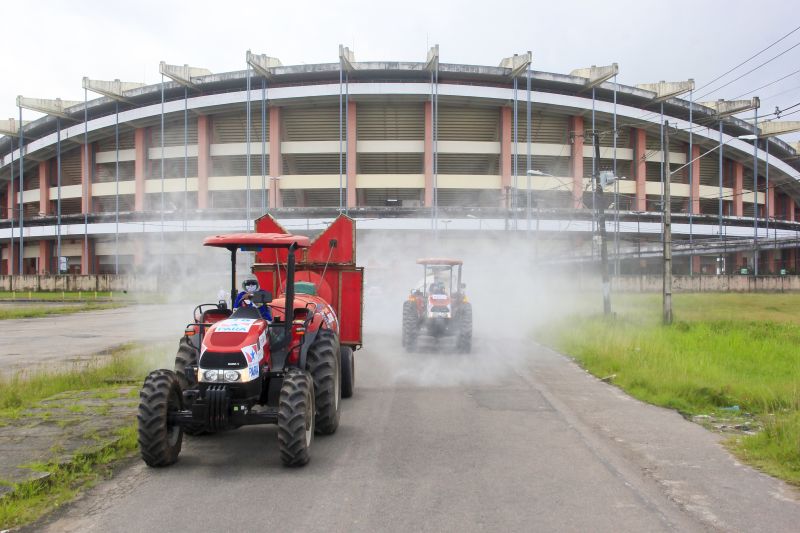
289, 313
234, 290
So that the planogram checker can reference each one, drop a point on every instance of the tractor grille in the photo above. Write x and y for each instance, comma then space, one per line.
225, 361
440, 309
218, 404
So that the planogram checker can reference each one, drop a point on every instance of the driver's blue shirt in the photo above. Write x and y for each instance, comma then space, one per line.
263, 309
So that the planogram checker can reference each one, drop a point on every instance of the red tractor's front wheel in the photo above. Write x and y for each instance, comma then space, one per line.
296, 417
159, 441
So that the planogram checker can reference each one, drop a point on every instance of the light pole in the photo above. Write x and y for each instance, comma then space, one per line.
667, 225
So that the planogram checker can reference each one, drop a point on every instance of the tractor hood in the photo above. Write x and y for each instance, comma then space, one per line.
243, 339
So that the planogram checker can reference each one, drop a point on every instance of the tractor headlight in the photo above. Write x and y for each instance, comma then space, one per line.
231, 375
210, 375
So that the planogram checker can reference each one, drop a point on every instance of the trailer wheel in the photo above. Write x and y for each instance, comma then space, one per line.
348, 371
159, 442
324, 365
410, 329
187, 356
464, 342
296, 417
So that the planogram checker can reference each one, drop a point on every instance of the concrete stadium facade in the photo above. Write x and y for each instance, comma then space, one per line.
398, 144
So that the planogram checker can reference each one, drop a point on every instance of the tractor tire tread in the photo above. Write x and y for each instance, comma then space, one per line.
154, 397
322, 362
410, 325
292, 413
187, 356
348, 371
465, 329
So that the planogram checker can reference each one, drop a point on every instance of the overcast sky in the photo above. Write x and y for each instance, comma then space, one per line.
50, 45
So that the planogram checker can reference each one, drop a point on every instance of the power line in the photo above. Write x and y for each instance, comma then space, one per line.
765, 63
767, 85
748, 59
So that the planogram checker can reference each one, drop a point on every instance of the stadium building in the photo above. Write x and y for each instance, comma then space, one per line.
402, 145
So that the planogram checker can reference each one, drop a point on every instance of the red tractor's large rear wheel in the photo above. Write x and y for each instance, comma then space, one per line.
410, 325
464, 340
296, 417
159, 441
324, 365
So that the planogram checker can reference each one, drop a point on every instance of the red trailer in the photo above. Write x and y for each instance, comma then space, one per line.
328, 264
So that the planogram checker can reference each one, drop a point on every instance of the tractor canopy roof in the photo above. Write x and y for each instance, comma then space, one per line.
256, 241
443, 261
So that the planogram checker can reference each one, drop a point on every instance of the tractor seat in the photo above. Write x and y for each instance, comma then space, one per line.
215, 315
246, 312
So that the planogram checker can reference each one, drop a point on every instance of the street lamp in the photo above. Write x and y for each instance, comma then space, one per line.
530, 173
667, 222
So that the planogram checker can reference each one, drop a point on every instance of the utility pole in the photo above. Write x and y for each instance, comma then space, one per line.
601, 226
667, 231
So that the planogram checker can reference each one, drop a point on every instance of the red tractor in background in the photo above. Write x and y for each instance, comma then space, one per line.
235, 368
439, 307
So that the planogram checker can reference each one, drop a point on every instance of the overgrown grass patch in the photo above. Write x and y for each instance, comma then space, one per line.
127, 363
31, 500
50, 310
82, 296
23, 397
725, 353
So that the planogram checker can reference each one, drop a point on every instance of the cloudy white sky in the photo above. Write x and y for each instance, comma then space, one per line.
50, 45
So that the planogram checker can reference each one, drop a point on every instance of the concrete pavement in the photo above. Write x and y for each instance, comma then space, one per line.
511, 438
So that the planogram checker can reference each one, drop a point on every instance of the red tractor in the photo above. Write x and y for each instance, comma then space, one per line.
236, 368
439, 307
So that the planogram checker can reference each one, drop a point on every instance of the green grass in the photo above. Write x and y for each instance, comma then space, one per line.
81, 296
33, 499
131, 363
128, 363
50, 310
62, 296
723, 350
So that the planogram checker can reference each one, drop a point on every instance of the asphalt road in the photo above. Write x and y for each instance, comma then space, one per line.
64, 340
510, 438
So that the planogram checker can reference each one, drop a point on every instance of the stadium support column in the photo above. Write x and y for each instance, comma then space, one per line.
44, 188
640, 167
771, 203
576, 160
352, 155
275, 158
203, 159
140, 166
695, 181
87, 157
10, 212
9, 207
428, 154
790, 208
45, 257
738, 186
87, 172
45, 254
506, 121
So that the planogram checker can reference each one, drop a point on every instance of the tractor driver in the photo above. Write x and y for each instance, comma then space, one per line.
243, 299
437, 287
